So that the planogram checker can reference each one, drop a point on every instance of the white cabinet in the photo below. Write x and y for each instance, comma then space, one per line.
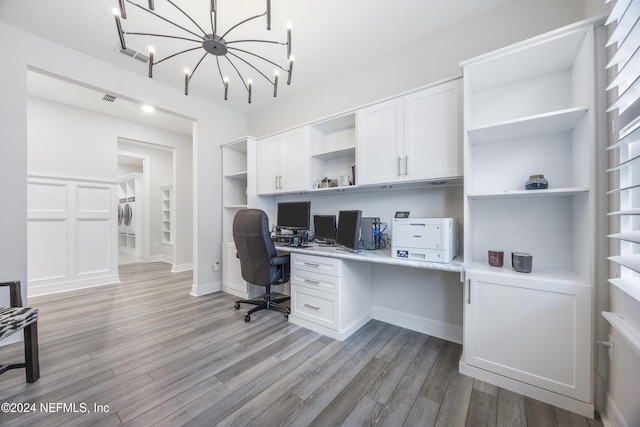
238, 192
530, 329
380, 143
329, 295
529, 110
412, 138
282, 162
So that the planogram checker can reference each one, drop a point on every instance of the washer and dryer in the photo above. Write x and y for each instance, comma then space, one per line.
128, 215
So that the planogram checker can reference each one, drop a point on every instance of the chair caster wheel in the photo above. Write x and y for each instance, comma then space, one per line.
237, 306
286, 316
247, 318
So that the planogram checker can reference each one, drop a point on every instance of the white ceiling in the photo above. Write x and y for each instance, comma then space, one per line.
328, 36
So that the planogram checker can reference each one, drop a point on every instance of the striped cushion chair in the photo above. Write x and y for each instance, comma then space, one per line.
14, 319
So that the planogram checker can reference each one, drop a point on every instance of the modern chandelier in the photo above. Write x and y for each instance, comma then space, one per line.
219, 46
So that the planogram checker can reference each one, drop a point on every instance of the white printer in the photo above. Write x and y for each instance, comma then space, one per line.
425, 239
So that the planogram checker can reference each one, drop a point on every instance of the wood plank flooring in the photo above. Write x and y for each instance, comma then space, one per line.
145, 353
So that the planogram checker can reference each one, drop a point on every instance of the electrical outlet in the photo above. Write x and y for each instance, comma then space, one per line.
611, 348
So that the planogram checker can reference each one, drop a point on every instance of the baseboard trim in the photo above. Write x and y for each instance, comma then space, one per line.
555, 399
436, 328
38, 289
179, 268
205, 289
612, 416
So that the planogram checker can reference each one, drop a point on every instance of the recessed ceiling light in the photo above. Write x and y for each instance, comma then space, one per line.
147, 108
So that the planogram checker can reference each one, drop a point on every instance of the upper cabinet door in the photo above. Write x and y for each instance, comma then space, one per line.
379, 143
282, 163
295, 159
268, 166
432, 133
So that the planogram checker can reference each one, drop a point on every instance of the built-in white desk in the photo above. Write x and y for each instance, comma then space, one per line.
331, 286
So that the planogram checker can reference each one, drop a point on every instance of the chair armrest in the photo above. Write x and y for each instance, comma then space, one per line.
279, 260
15, 294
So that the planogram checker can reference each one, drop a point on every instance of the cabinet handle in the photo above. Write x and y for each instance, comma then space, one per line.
312, 264
315, 282
406, 165
311, 306
276, 177
280, 182
468, 291
399, 160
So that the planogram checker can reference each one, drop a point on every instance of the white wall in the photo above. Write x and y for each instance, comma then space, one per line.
429, 61
215, 125
69, 142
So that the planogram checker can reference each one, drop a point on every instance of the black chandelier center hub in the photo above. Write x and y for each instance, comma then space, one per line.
215, 45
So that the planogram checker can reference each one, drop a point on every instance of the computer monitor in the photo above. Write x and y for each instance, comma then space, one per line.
349, 229
324, 227
294, 215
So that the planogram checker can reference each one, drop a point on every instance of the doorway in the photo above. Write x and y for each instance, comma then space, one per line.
146, 230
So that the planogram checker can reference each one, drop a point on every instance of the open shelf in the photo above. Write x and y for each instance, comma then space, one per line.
552, 122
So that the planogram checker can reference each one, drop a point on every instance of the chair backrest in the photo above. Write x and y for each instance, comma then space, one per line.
255, 247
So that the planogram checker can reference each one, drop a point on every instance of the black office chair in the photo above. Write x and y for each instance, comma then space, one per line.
260, 264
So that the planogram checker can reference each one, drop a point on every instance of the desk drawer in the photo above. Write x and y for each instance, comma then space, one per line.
319, 264
315, 306
313, 280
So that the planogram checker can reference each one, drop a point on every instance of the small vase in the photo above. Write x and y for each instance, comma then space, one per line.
536, 182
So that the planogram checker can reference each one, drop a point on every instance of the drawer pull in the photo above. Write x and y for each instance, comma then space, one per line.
315, 282
311, 306
312, 264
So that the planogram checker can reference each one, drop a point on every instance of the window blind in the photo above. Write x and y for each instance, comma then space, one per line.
624, 109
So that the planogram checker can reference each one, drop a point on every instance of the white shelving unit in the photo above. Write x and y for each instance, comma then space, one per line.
333, 148
530, 109
167, 221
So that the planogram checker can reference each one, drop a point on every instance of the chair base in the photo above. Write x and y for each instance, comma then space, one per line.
265, 303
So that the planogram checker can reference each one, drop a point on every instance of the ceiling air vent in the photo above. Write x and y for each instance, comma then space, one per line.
133, 53
108, 98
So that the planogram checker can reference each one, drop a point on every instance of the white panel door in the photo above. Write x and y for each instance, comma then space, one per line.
432, 137
380, 153
535, 331
294, 161
268, 166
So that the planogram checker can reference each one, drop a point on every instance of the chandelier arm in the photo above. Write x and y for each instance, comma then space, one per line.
240, 23
237, 71
163, 18
164, 35
257, 56
197, 65
258, 41
188, 17
176, 54
252, 66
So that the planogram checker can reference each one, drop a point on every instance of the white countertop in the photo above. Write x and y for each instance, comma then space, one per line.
380, 256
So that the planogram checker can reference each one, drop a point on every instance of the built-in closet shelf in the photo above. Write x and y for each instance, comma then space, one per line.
336, 154
242, 175
629, 285
538, 272
551, 122
623, 328
628, 261
555, 192
629, 236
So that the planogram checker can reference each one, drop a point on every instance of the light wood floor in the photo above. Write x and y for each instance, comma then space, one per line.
147, 353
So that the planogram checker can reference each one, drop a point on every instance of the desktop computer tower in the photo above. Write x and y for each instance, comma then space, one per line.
369, 233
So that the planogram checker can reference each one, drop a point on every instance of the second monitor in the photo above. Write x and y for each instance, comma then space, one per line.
348, 234
324, 227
